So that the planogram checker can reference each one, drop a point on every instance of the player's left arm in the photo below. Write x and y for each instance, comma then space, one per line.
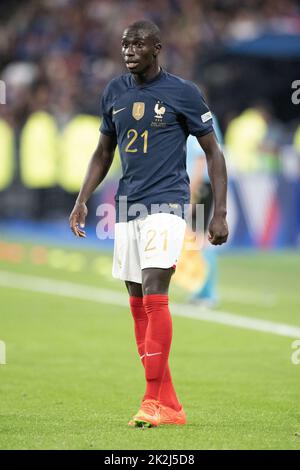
218, 228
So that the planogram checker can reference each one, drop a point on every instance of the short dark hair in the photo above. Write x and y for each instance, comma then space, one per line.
148, 27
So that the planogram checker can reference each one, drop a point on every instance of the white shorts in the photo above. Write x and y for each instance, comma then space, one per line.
154, 241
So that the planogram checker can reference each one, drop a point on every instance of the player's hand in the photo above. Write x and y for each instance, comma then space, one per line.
77, 219
218, 230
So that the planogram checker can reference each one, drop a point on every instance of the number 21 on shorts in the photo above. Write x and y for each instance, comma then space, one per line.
156, 240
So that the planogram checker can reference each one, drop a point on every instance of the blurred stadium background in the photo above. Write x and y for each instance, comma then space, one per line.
56, 56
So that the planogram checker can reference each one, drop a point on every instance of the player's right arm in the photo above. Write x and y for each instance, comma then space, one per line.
97, 170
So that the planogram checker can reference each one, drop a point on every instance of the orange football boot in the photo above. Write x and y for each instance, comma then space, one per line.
147, 416
169, 416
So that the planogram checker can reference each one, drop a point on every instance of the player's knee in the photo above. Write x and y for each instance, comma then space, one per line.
134, 289
154, 288
156, 280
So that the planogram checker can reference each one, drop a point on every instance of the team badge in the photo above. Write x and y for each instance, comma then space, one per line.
159, 110
138, 110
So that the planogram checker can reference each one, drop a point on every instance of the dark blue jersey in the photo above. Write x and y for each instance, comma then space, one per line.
152, 122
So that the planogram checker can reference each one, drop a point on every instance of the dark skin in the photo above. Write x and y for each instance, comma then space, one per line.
140, 52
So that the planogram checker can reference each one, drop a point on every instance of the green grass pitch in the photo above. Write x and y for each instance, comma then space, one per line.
73, 378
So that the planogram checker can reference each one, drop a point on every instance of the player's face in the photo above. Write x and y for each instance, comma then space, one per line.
139, 51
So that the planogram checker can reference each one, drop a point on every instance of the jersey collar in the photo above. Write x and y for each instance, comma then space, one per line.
157, 77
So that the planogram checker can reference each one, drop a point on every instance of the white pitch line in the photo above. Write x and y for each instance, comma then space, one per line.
112, 297
247, 297
238, 321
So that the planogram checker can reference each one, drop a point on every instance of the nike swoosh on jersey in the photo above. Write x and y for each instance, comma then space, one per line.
116, 111
153, 354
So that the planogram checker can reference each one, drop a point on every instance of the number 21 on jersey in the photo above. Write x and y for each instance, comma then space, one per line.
132, 135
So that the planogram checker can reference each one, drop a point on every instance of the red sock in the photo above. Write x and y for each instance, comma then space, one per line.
157, 342
167, 395
140, 324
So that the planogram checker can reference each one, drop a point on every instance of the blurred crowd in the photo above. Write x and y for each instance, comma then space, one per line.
59, 54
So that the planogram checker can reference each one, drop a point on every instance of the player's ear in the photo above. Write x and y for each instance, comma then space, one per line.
157, 49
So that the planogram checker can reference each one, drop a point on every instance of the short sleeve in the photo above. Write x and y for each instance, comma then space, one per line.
196, 112
107, 126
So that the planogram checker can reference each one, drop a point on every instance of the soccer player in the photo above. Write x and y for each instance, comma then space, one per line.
149, 113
